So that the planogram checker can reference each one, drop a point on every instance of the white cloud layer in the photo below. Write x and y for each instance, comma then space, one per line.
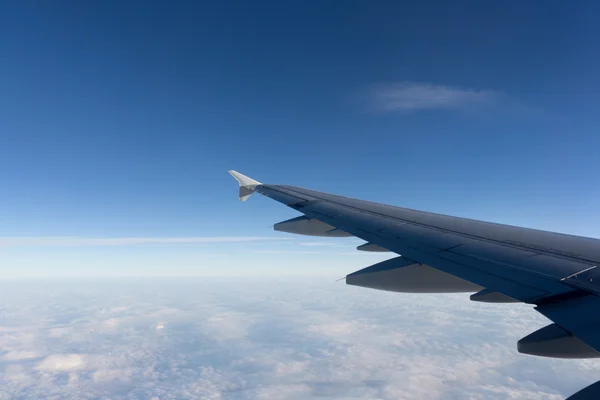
278, 339
410, 97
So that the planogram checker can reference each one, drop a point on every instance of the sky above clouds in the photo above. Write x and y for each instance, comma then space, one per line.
120, 121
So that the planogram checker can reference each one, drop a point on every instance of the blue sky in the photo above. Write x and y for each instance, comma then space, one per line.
121, 119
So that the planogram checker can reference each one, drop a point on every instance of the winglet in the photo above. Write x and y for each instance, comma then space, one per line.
247, 185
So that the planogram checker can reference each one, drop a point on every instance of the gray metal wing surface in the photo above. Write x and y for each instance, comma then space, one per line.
500, 263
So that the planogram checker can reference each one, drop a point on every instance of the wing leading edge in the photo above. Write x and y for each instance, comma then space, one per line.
502, 263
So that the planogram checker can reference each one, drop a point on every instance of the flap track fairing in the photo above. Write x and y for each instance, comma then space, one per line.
309, 226
401, 274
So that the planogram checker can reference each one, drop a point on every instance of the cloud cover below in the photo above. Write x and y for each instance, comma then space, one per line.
278, 339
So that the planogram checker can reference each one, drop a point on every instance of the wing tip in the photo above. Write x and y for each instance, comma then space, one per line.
242, 179
247, 184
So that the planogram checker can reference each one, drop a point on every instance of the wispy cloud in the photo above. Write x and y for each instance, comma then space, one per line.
319, 244
407, 97
349, 253
127, 241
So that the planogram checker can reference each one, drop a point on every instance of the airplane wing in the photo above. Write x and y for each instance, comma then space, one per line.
440, 254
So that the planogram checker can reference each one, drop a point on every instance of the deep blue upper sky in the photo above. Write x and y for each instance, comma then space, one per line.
120, 119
